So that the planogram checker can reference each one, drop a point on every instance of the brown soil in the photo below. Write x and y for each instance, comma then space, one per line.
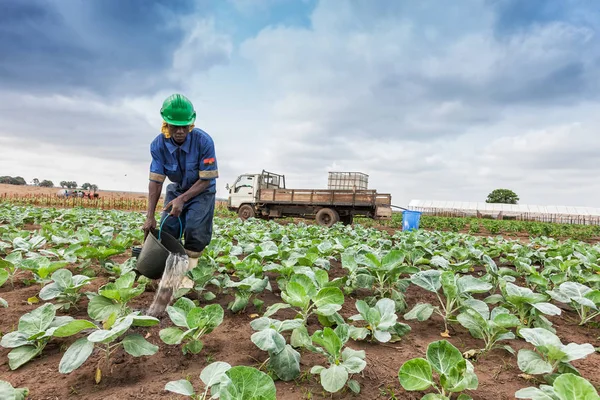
35, 190
145, 377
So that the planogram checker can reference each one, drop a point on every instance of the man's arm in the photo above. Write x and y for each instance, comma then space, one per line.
157, 177
177, 203
154, 189
195, 190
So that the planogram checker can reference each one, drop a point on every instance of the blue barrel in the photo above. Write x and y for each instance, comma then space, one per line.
410, 220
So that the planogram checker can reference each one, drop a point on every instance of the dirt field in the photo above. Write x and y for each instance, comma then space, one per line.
145, 377
34, 190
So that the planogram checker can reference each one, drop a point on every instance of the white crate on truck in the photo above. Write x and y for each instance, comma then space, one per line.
348, 181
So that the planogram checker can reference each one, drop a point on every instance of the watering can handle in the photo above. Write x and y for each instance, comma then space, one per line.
163, 222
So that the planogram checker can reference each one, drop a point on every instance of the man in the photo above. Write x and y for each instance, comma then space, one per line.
186, 155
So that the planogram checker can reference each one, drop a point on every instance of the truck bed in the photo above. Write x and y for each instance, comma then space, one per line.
320, 197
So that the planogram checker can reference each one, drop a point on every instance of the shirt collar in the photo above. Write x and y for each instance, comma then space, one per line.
172, 146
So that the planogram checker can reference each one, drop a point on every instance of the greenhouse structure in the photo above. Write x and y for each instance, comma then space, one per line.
524, 212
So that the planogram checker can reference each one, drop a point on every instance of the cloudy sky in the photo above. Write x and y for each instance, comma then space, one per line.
433, 101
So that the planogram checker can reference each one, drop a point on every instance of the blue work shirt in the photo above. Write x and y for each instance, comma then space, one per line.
184, 164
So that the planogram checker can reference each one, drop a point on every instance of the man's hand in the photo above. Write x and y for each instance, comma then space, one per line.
176, 206
149, 225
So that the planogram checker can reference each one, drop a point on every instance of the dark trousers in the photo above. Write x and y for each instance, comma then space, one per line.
196, 219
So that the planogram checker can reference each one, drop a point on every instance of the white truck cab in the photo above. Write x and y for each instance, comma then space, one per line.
246, 187
243, 190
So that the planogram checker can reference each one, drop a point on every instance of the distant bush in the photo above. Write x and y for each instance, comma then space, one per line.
89, 186
17, 180
68, 184
46, 183
505, 196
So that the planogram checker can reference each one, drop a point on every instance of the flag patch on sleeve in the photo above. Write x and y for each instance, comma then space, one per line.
209, 161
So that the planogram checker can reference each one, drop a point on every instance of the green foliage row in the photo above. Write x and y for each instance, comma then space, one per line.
500, 227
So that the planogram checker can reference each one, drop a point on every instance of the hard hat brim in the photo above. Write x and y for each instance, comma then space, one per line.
177, 122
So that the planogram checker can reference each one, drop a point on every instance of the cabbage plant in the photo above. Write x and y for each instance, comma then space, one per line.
308, 295
8, 392
566, 387
64, 287
550, 357
35, 330
113, 297
382, 274
490, 327
381, 320
342, 361
456, 374
228, 383
41, 267
580, 297
244, 289
109, 338
529, 306
283, 360
3, 279
456, 291
9, 268
202, 275
195, 321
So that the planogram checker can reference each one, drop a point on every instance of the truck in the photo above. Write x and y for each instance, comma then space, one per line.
264, 195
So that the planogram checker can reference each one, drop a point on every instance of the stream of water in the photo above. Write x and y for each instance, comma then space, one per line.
175, 269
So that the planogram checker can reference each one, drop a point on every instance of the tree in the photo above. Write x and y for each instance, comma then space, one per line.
86, 186
504, 196
94, 187
18, 180
68, 184
36, 181
46, 183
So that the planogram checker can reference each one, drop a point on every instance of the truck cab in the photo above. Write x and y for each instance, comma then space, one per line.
243, 194
243, 191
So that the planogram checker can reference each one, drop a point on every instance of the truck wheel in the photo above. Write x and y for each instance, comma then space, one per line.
327, 217
246, 212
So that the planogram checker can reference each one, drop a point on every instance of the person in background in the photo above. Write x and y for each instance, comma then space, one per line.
186, 155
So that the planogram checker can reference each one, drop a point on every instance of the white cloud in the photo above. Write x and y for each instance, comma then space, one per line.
31, 159
430, 103
202, 49
444, 111
84, 123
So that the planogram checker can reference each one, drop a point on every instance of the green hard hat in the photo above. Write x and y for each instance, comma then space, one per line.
178, 110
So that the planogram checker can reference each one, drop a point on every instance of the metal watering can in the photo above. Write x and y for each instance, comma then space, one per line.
153, 255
